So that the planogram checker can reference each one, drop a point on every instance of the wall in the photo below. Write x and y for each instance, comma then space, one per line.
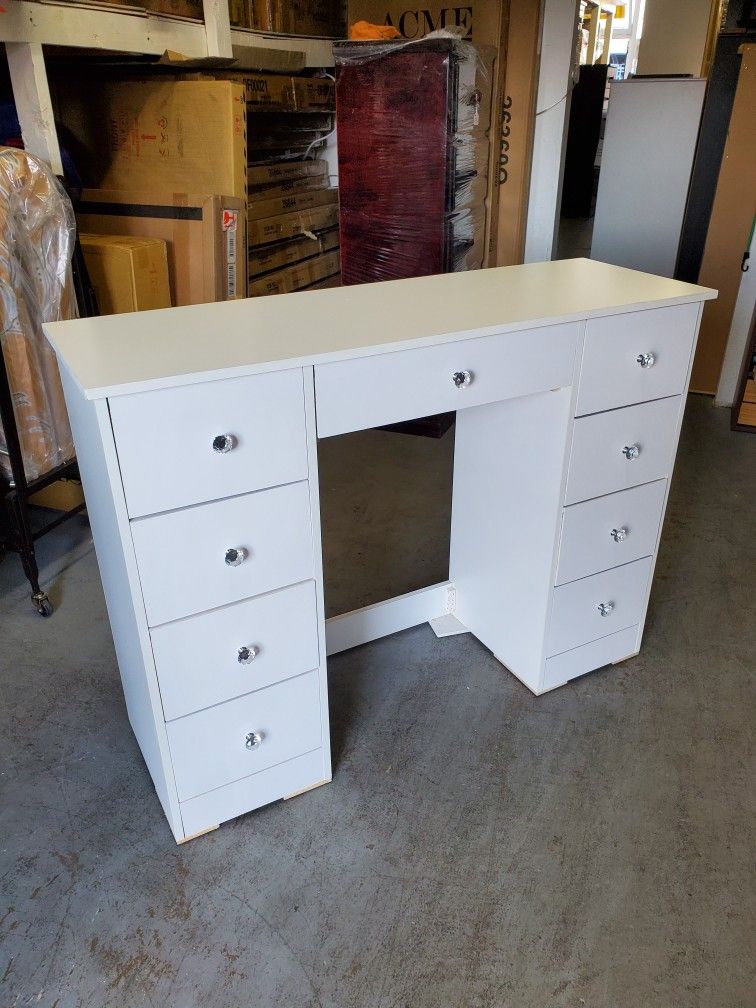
674, 37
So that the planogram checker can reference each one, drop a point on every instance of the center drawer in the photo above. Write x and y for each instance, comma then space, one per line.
386, 388
609, 531
597, 606
183, 556
208, 659
622, 448
182, 446
241, 737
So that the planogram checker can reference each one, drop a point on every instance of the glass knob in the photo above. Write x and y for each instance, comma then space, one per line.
620, 534
253, 740
605, 608
224, 443
631, 451
235, 555
247, 654
646, 359
462, 378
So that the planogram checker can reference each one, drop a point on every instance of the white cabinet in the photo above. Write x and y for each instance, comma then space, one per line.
203, 494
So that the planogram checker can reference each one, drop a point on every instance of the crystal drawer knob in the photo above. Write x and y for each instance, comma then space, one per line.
253, 740
235, 555
223, 443
631, 451
246, 655
462, 378
605, 608
620, 534
646, 360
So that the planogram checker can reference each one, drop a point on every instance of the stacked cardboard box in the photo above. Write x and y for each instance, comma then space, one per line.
292, 210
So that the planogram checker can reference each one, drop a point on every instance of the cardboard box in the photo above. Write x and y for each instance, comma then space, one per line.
293, 278
203, 236
258, 175
297, 201
302, 17
292, 94
290, 225
479, 19
159, 135
64, 495
287, 188
274, 257
128, 274
331, 281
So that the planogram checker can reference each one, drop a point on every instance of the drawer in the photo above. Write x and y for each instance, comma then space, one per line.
371, 391
598, 462
165, 440
211, 748
199, 661
608, 531
181, 555
605, 651
576, 615
611, 373
281, 781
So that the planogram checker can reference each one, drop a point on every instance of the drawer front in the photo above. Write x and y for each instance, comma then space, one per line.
371, 391
599, 464
239, 738
202, 660
181, 555
608, 531
576, 615
165, 440
605, 651
231, 800
612, 374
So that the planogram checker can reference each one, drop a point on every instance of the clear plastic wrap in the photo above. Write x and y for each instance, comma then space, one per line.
37, 234
413, 123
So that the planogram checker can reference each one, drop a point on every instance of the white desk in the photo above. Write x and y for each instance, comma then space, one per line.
196, 430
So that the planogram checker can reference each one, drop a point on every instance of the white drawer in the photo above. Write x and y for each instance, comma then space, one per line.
209, 749
371, 391
199, 662
605, 651
576, 616
231, 800
611, 374
181, 554
608, 531
165, 440
599, 464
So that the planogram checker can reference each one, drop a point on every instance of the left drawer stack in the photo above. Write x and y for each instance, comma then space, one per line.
215, 478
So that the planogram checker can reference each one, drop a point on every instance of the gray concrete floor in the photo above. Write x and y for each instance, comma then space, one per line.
478, 847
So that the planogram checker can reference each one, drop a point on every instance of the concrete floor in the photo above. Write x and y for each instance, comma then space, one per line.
478, 847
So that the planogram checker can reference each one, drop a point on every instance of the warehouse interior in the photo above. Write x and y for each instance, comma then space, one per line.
457, 303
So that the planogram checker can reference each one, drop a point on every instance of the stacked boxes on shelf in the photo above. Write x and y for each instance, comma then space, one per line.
323, 18
292, 209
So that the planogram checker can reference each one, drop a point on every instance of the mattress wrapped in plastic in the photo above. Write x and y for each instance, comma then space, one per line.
413, 123
37, 234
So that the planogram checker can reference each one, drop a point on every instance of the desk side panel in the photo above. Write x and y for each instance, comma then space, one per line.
508, 466
106, 506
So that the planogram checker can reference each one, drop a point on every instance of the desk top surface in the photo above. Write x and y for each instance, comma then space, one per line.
136, 352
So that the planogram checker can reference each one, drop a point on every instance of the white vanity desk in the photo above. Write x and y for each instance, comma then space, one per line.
196, 430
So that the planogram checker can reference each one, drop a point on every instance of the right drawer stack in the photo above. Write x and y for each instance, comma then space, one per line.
628, 407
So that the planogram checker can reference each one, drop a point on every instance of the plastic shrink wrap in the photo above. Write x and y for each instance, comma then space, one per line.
413, 124
37, 234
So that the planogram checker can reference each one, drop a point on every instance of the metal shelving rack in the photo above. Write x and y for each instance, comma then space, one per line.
25, 28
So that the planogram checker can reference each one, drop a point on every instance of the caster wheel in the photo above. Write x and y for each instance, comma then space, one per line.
43, 606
